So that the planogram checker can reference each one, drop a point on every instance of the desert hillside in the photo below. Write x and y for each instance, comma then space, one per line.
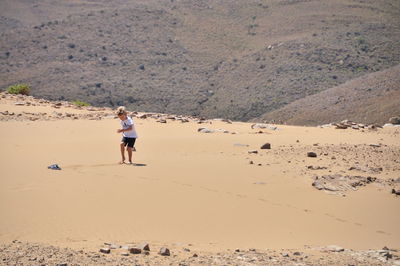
230, 59
372, 98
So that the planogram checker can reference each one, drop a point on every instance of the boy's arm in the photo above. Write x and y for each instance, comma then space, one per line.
125, 130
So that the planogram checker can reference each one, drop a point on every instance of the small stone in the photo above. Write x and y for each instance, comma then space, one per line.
186, 249
135, 250
254, 152
114, 246
266, 146
375, 145
311, 154
394, 120
251, 162
105, 250
195, 255
285, 255
334, 248
125, 253
164, 252
145, 246
296, 253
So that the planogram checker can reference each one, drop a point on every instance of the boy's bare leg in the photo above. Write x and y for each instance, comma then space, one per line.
122, 153
129, 149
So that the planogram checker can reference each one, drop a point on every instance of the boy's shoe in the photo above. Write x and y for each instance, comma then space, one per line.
54, 167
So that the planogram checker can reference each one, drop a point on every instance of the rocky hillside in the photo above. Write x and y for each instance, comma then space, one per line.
372, 98
232, 59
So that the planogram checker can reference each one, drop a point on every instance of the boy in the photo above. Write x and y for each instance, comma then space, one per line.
128, 134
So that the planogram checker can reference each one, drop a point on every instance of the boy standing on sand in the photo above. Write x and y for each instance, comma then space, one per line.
128, 134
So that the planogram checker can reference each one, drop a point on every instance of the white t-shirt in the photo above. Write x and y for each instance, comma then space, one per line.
125, 125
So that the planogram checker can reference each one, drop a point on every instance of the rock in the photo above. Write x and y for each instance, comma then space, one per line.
20, 103
296, 253
114, 246
334, 248
237, 250
285, 255
105, 250
163, 121
241, 145
266, 146
145, 246
205, 130
164, 252
395, 120
341, 126
62, 264
335, 183
251, 162
375, 145
141, 67
195, 255
71, 45
135, 250
253, 126
124, 253
253, 152
396, 192
311, 154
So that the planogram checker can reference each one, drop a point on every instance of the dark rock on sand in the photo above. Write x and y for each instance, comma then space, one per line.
164, 252
266, 146
145, 246
311, 154
135, 250
105, 250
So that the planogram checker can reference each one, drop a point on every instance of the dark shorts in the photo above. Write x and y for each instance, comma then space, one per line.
130, 142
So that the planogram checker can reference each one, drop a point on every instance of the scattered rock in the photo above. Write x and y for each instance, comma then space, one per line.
205, 130
135, 250
266, 146
253, 152
338, 182
334, 248
105, 250
145, 246
164, 252
395, 120
396, 192
311, 154
266, 126
375, 145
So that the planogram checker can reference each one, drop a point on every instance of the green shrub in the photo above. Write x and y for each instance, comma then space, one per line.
80, 103
19, 89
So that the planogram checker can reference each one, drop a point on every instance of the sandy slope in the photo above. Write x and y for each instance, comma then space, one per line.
193, 188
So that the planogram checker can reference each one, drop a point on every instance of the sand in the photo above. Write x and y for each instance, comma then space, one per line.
192, 189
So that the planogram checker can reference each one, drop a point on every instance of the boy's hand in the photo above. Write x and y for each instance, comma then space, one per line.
119, 130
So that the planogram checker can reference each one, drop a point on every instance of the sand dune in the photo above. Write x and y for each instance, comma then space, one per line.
194, 188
